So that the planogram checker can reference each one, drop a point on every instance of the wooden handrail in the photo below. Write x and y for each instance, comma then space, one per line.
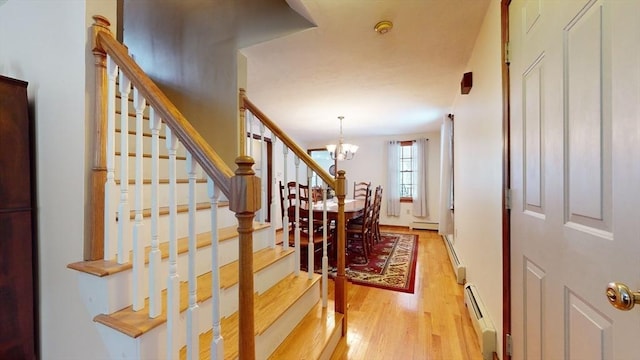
208, 159
245, 103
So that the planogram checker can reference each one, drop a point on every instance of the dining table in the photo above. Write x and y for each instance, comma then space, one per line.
353, 208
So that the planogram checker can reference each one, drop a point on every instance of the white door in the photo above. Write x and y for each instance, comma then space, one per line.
575, 115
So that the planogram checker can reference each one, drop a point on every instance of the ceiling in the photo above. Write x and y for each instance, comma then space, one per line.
400, 82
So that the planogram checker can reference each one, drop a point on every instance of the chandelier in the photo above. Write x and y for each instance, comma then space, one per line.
342, 151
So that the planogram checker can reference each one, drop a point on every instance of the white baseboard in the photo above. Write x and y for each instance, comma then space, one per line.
423, 225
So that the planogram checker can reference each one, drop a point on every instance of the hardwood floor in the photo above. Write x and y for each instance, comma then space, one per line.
432, 323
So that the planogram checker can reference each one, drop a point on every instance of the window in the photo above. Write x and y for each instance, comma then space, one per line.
406, 169
323, 158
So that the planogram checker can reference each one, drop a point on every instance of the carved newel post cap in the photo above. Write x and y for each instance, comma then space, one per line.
245, 187
101, 20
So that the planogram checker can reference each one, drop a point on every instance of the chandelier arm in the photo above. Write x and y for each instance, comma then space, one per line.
342, 151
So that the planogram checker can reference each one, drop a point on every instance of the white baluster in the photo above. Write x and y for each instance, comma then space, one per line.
296, 237
155, 256
274, 197
325, 256
311, 245
110, 191
124, 225
263, 176
192, 312
217, 342
285, 215
173, 281
250, 128
139, 103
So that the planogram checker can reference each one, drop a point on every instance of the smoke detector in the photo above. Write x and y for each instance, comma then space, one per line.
383, 27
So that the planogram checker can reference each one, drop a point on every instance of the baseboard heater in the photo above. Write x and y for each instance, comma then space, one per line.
458, 268
482, 324
423, 225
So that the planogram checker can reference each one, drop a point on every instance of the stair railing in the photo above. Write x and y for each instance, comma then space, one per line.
111, 237
250, 112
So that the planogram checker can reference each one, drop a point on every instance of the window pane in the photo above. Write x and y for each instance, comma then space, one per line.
406, 178
405, 191
406, 171
406, 151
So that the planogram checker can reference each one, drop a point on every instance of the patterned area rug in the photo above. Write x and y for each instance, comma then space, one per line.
391, 264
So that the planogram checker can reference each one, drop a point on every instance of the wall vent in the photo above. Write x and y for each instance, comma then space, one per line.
423, 225
458, 267
483, 325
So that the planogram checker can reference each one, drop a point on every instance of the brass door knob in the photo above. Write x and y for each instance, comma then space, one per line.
621, 297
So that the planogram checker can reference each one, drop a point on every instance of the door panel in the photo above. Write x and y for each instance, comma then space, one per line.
533, 287
575, 172
588, 118
588, 333
534, 170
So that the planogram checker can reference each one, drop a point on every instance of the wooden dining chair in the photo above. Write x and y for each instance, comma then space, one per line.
359, 230
288, 204
375, 218
361, 189
288, 198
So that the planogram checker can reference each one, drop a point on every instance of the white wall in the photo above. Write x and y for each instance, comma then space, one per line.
370, 164
45, 44
478, 169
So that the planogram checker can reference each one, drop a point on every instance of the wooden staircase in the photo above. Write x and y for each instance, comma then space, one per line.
287, 306
291, 321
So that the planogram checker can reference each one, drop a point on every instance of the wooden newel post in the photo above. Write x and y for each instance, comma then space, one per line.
245, 201
94, 212
341, 280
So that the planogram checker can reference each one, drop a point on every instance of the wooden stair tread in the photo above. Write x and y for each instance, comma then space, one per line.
202, 240
162, 181
164, 157
102, 268
261, 260
136, 323
274, 302
269, 306
310, 337
131, 115
164, 210
145, 134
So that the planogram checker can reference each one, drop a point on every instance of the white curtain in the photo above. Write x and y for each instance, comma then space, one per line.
445, 226
393, 174
420, 177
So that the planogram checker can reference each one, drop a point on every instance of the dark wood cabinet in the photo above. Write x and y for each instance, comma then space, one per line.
18, 327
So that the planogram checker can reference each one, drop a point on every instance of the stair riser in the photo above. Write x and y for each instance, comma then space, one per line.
263, 279
109, 294
332, 344
119, 345
203, 224
152, 345
268, 342
266, 278
146, 142
182, 194
163, 168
